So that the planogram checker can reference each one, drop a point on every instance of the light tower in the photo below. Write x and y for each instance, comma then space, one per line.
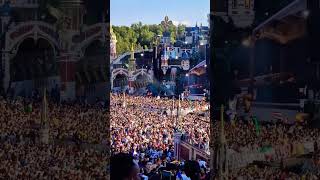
131, 70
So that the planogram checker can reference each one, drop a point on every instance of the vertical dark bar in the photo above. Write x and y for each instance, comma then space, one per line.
106, 6
252, 64
217, 80
210, 67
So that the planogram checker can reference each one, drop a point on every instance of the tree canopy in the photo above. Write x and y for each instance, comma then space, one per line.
142, 35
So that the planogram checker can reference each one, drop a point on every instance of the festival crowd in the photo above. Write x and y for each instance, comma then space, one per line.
75, 132
142, 127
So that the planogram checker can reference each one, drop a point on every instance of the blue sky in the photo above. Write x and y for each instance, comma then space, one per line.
126, 12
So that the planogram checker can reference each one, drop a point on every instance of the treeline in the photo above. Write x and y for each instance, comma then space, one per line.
143, 36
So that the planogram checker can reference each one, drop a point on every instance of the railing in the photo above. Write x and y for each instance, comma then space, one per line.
200, 147
193, 152
118, 59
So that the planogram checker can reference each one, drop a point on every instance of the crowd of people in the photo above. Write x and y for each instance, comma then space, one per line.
66, 120
272, 173
305, 168
142, 127
76, 133
139, 127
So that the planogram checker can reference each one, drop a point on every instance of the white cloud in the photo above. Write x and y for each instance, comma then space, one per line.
187, 23
175, 23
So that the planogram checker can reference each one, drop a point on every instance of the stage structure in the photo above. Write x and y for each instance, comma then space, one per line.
66, 46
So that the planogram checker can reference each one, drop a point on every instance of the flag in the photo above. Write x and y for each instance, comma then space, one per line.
256, 123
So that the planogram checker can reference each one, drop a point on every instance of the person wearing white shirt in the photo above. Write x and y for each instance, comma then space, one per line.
202, 163
182, 176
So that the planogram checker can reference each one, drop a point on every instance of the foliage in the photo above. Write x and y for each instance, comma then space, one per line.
143, 36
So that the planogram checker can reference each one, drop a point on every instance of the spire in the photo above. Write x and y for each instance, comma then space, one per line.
132, 51
44, 108
111, 29
222, 136
44, 120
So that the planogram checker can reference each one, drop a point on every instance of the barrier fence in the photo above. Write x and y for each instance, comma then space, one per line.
190, 152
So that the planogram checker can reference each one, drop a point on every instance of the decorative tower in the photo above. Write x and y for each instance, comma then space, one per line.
74, 12
241, 12
113, 44
166, 36
5, 11
71, 20
44, 119
221, 161
164, 61
131, 70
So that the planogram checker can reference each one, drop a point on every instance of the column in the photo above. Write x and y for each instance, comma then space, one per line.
5, 69
177, 140
111, 83
5, 59
67, 65
5, 20
131, 82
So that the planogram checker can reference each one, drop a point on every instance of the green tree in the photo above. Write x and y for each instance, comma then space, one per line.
156, 29
146, 36
142, 35
181, 30
173, 33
